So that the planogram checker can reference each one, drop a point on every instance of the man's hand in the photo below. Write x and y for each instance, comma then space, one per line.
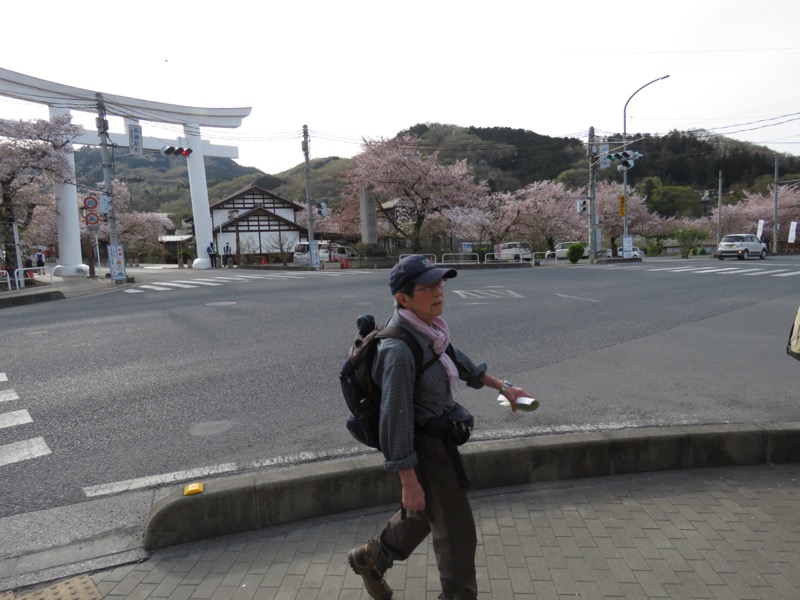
413, 496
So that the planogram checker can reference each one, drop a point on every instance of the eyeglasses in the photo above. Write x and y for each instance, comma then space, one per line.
431, 286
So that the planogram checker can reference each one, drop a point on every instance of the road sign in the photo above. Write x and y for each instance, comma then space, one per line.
622, 205
90, 202
93, 229
92, 218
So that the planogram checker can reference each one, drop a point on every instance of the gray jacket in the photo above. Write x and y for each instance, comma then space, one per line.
403, 406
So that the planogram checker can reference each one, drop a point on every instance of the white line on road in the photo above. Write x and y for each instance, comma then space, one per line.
17, 417
792, 274
177, 284
577, 298
773, 272
197, 282
3, 377
19, 451
8, 395
133, 291
154, 480
157, 288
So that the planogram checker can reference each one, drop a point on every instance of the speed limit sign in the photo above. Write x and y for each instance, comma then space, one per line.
90, 202
92, 218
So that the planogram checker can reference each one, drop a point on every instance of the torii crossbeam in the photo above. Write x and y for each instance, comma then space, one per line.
61, 99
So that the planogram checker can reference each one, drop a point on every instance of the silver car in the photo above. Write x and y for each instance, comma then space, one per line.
742, 246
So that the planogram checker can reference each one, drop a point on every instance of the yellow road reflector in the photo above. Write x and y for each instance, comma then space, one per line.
193, 488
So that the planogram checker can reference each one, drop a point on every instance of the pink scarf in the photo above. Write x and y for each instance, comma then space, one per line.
439, 334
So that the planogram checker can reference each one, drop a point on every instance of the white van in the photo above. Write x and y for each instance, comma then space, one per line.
327, 251
515, 251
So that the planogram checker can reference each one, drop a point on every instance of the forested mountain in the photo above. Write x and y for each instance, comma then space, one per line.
507, 158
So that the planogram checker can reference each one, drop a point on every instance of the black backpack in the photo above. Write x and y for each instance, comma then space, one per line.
361, 393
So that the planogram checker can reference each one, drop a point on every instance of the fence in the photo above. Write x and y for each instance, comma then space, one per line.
19, 275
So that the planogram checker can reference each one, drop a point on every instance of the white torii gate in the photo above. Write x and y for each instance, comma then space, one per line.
61, 99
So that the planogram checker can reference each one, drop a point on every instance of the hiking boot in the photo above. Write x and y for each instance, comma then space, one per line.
362, 561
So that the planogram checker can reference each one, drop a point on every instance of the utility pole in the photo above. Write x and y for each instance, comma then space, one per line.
313, 255
719, 208
116, 254
592, 152
775, 226
102, 132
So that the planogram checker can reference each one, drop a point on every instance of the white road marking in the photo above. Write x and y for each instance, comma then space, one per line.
486, 294
156, 288
792, 274
17, 417
133, 291
198, 282
25, 450
177, 284
577, 298
8, 395
773, 272
3, 377
154, 480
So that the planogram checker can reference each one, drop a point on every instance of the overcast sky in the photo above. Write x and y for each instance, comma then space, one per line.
368, 69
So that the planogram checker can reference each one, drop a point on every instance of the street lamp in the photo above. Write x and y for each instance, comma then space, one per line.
624, 139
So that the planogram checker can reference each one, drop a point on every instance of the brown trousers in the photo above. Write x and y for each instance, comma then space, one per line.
447, 515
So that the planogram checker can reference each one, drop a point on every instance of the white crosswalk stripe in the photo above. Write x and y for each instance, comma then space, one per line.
178, 284
706, 270
17, 417
24, 450
773, 272
164, 286
8, 395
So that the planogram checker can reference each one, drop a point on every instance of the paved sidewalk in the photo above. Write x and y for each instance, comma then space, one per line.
689, 534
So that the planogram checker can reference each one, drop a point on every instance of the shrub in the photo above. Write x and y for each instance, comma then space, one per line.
575, 253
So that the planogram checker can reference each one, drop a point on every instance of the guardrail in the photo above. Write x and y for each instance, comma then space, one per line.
19, 275
430, 257
464, 257
542, 256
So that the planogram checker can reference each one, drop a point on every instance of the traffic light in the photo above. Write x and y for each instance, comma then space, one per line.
582, 205
175, 151
626, 159
322, 209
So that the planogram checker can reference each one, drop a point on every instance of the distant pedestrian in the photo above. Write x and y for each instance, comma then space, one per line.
212, 255
227, 257
40, 261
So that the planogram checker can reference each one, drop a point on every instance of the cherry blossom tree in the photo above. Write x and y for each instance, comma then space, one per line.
395, 169
138, 231
640, 220
32, 156
743, 216
549, 214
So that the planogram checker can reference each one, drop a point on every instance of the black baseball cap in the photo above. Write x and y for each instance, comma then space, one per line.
417, 269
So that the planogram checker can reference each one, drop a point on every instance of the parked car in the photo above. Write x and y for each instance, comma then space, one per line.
560, 250
636, 252
515, 251
327, 251
742, 246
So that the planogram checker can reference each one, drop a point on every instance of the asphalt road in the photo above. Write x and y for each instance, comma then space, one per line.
130, 390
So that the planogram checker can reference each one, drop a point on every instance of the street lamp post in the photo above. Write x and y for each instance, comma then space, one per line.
624, 140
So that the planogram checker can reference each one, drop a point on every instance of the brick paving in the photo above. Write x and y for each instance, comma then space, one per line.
731, 533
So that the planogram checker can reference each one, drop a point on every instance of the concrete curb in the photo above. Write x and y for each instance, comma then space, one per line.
32, 298
246, 502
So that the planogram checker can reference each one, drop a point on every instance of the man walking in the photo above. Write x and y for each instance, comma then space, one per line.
434, 498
